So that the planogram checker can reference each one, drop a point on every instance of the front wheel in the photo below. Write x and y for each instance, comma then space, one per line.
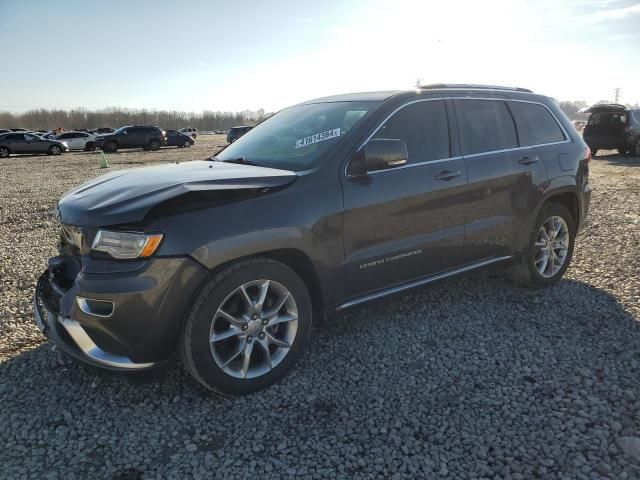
110, 147
247, 327
636, 148
186, 144
4, 152
89, 147
154, 145
55, 150
550, 248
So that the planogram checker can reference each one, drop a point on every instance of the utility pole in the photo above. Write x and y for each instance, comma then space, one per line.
616, 95
418, 83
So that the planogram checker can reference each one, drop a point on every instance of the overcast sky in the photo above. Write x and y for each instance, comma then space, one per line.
235, 55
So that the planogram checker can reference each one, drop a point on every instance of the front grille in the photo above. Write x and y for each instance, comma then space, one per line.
71, 240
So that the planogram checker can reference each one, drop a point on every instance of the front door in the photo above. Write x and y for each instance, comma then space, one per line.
407, 222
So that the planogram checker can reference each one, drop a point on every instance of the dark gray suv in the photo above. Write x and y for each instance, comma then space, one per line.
326, 205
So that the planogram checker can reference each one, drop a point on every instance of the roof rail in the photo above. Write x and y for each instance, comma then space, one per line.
473, 86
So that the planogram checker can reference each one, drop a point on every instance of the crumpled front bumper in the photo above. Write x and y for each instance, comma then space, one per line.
72, 339
116, 315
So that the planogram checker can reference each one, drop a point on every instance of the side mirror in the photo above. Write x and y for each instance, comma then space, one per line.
379, 154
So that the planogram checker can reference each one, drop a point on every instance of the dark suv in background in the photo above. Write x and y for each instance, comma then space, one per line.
235, 133
613, 126
146, 137
325, 205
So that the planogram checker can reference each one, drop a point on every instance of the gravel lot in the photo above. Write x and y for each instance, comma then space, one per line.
470, 378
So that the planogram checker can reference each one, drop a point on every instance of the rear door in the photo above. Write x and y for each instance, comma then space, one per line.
606, 129
503, 177
404, 223
16, 143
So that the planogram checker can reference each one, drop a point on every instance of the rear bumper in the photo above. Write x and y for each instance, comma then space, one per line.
133, 315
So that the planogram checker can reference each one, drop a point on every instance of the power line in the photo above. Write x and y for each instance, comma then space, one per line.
616, 95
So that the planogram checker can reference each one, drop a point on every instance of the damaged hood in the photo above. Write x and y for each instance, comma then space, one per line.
126, 196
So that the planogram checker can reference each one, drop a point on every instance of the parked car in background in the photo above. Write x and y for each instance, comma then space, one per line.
147, 137
613, 126
103, 130
175, 138
325, 205
18, 129
49, 135
19, 142
192, 132
4, 130
78, 140
235, 133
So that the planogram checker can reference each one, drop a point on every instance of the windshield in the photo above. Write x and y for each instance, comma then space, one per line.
120, 130
296, 137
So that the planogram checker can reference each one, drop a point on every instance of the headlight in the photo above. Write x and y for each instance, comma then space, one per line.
65, 144
125, 244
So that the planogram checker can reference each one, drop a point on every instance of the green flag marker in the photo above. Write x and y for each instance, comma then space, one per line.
103, 160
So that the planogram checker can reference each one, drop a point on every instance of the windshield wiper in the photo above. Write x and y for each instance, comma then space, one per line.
242, 161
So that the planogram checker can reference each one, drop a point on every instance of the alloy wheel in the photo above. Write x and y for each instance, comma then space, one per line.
253, 329
4, 152
552, 246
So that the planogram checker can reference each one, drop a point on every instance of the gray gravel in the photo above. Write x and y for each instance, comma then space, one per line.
470, 378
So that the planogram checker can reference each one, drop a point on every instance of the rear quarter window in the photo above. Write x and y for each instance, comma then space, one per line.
536, 125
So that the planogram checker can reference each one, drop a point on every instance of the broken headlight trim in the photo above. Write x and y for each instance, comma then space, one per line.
126, 245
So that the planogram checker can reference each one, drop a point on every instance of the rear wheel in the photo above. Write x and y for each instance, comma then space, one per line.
55, 150
247, 327
154, 145
4, 152
550, 248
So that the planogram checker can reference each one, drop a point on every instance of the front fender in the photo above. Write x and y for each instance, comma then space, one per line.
224, 250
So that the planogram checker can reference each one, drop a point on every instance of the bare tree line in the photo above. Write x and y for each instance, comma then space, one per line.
43, 119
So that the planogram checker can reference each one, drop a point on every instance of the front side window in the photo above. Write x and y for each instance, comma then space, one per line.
424, 128
295, 138
31, 138
14, 137
485, 126
536, 125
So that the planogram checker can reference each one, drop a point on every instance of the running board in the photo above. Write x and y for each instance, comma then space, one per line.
421, 281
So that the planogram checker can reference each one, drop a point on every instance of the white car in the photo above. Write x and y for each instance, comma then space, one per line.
192, 132
78, 140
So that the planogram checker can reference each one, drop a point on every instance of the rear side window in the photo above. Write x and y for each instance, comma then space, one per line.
14, 136
486, 126
536, 125
424, 127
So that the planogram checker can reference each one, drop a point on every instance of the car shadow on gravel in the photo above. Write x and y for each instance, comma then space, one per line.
616, 159
473, 375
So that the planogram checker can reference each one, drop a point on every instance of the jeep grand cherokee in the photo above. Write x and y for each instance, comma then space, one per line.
326, 205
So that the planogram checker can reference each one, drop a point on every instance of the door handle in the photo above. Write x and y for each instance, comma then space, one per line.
528, 160
448, 175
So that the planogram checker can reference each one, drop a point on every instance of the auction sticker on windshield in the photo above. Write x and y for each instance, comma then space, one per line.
318, 137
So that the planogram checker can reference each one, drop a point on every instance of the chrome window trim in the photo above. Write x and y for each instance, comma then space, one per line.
567, 137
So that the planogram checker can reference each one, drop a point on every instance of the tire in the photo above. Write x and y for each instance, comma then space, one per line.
111, 147
4, 152
635, 151
525, 269
594, 151
154, 145
186, 144
194, 136
205, 361
55, 150
89, 147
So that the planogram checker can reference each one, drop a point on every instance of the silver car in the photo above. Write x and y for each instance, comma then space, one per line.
19, 142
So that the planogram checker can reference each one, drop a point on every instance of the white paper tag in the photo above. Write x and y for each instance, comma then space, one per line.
318, 137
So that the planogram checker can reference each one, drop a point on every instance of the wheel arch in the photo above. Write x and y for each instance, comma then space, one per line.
569, 200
